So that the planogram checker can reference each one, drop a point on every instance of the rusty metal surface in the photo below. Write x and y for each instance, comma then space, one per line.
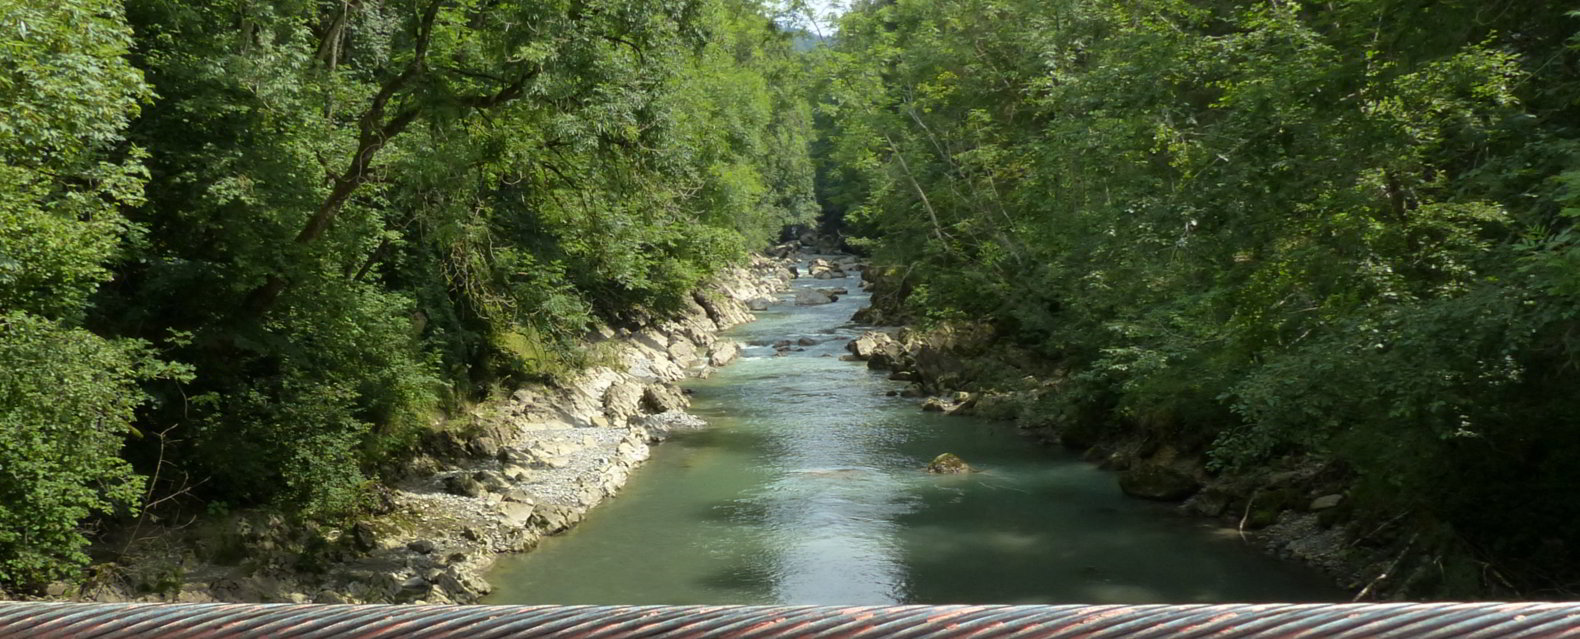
287, 621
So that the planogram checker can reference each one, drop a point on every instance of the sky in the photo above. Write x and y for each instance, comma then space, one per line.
823, 8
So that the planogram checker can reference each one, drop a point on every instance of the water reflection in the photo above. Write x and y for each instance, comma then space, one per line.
839, 525
808, 489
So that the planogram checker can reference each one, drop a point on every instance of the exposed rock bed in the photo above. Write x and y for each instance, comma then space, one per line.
522, 468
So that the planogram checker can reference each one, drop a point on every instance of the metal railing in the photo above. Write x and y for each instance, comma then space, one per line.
290, 621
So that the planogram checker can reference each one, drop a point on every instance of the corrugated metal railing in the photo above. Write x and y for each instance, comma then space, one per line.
286, 621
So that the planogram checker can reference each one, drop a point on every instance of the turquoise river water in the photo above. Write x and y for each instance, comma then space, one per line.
808, 488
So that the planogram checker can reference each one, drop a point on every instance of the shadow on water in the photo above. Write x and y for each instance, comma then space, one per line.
732, 440
750, 580
740, 512
809, 488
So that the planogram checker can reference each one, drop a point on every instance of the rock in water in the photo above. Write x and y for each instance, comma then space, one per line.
811, 297
1158, 483
723, 352
867, 345
948, 464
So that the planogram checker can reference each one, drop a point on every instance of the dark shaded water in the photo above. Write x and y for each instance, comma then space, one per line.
808, 489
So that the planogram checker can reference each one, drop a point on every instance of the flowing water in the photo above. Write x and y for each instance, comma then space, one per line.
808, 489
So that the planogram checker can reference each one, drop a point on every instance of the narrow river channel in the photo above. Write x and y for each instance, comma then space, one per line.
808, 489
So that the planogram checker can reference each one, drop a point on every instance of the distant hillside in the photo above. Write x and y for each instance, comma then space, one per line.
806, 41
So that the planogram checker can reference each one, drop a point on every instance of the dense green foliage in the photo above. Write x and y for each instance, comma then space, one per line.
66, 394
289, 236
1344, 228
296, 233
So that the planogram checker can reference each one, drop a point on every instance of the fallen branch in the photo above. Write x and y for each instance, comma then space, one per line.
1246, 516
1390, 570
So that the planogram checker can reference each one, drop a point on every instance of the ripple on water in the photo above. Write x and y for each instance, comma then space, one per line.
808, 488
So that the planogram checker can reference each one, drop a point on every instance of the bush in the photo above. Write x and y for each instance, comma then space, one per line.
67, 398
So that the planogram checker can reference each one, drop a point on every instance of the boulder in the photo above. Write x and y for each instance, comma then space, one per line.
662, 398
515, 514
1211, 502
329, 597
464, 486
364, 537
890, 356
492, 481
867, 345
760, 303
812, 297
482, 447
663, 425
413, 585
622, 400
1326, 502
1158, 483
553, 518
782, 250
964, 404
723, 352
682, 352
824, 270
806, 341
948, 464
934, 405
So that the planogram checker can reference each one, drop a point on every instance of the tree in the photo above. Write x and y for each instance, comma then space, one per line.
67, 396
1328, 229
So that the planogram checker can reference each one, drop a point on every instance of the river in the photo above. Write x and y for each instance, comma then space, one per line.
808, 488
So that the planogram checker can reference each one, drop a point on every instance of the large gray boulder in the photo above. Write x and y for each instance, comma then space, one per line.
464, 486
723, 352
866, 346
662, 398
824, 270
1158, 483
812, 297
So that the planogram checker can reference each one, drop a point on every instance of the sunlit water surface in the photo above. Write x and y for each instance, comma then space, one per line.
808, 489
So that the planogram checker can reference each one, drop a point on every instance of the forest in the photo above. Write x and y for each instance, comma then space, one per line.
252, 250
1262, 229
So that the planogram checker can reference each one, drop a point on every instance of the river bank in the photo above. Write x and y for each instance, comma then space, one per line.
497, 480
811, 485
1298, 508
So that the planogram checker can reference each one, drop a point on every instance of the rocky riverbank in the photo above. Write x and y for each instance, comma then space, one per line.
513, 471
1297, 508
